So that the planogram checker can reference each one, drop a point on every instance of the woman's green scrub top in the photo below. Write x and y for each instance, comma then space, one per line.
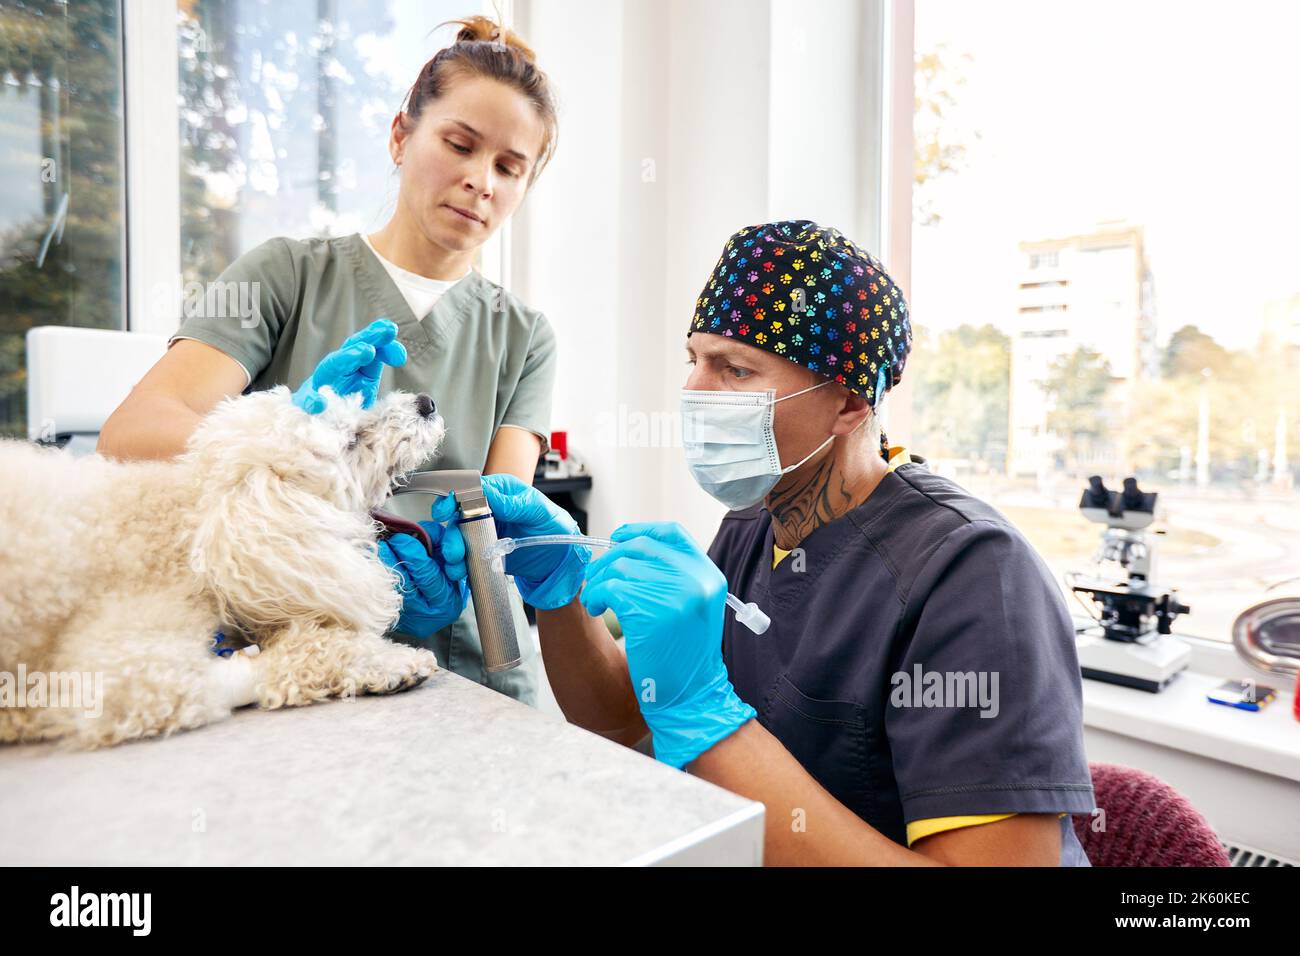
486, 359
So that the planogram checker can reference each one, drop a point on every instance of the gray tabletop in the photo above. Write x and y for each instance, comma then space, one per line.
448, 773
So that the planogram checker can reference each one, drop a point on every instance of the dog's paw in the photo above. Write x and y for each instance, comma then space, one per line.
293, 674
392, 668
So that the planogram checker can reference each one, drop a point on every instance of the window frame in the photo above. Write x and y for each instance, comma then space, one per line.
895, 121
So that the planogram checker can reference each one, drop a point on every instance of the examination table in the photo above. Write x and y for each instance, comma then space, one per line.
447, 773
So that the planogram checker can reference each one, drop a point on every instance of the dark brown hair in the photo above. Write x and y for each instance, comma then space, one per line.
484, 48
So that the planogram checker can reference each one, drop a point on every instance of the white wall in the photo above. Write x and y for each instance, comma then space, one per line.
680, 122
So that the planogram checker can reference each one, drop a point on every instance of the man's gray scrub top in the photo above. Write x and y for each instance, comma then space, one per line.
921, 579
486, 359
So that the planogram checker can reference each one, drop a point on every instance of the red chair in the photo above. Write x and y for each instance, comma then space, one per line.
1147, 823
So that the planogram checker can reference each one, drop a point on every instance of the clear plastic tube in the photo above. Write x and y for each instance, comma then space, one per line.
505, 545
749, 614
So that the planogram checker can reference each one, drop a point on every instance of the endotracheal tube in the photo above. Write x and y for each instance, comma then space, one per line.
747, 614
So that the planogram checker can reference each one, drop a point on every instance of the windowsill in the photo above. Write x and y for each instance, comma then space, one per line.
1180, 717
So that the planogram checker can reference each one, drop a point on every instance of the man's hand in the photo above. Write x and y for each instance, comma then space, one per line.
669, 599
547, 577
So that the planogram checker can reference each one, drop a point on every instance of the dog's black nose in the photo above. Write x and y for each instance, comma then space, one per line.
424, 405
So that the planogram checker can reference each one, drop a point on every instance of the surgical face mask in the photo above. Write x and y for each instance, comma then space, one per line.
730, 445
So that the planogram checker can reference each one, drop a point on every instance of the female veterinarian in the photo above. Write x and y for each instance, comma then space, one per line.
478, 128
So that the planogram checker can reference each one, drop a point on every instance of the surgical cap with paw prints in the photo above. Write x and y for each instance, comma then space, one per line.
806, 293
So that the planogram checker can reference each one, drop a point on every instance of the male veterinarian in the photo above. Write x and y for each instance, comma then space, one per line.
889, 589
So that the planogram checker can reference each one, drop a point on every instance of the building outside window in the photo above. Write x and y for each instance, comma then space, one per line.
1100, 288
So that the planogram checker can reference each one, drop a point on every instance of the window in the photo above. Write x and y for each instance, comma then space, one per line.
282, 110
1196, 394
285, 113
61, 186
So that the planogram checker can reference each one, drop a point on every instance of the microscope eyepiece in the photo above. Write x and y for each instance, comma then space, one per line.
1135, 499
1095, 495
1132, 497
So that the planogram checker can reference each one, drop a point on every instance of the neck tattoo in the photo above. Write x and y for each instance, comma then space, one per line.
818, 498
810, 502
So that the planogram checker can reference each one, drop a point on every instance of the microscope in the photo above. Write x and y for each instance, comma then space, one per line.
1136, 647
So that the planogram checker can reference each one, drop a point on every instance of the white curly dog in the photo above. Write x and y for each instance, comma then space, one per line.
126, 570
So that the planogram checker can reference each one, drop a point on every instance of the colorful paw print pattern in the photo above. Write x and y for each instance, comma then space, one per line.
807, 293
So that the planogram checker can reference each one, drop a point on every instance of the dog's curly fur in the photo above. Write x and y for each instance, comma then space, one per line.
127, 569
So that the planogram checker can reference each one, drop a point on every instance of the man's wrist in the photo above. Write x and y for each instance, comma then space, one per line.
685, 731
712, 761
560, 587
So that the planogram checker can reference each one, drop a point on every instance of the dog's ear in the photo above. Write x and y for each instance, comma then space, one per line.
271, 552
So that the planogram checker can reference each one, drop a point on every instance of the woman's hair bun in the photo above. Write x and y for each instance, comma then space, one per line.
485, 48
481, 29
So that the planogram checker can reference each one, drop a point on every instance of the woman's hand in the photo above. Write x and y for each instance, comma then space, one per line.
354, 367
434, 589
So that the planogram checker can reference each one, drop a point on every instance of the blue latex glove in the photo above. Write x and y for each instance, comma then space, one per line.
434, 589
670, 599
547, 577
355, 366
